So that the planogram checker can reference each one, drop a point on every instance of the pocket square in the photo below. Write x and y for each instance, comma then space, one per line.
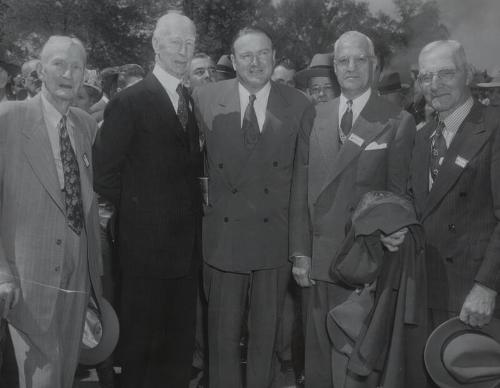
375, 146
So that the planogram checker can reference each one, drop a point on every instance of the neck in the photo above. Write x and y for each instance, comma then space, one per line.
179, 77
61, 106
351, 95
252, 90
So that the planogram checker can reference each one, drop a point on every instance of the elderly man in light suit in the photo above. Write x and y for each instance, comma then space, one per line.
49, 244
359, 143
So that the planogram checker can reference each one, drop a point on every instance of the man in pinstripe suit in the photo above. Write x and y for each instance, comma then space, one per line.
49, 231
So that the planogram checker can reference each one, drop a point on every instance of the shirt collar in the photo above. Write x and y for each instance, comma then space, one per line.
51, 115
359, 102
261, 95
454, 120
168, 81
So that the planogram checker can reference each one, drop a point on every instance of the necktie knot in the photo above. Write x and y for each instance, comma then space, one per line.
349, 106
252, 98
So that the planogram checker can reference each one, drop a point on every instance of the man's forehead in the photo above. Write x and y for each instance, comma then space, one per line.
63, 49
252, 40
352, 44
438, 58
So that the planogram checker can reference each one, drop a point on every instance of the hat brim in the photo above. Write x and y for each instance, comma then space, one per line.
109, 339
303, 76
489, 85
434, 348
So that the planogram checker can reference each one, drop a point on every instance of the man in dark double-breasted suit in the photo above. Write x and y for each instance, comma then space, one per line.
148, 161
359, 143
251, 126
455, 182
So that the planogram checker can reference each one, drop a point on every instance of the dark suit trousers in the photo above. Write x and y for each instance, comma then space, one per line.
228, 295
157, 331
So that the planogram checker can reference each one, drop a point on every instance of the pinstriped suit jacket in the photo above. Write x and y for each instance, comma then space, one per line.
32, 211
461, 213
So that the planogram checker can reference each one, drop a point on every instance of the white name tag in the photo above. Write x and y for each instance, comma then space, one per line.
356, 139
375, 146
461, 162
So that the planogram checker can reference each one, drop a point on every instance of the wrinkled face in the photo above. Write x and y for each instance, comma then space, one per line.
443, 79
321, 89
283, 75
62, 71
253, 60
201, 71
494, 96
354, 66
174, 46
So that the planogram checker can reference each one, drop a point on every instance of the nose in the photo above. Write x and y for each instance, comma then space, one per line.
255, 60
352, 64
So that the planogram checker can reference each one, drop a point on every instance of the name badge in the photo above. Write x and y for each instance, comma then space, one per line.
86, 160
356, 139
461, 162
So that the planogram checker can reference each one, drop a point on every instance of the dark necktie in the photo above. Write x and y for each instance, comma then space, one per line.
250, 125
438, 150
346, 123
72, 188
182, 108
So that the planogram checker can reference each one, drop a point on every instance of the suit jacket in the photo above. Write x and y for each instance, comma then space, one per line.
33, 222
245, 226
148, 166
333, 179
461, 212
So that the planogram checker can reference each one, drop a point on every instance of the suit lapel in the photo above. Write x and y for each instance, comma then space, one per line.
420, 165
365, 129
469, 139
38, 151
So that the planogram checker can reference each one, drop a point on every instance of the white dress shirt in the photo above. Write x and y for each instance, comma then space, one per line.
260, 103
169, 83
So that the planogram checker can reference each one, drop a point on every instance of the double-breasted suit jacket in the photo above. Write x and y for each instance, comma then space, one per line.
33, 225
376, 156
246, 221
461, 212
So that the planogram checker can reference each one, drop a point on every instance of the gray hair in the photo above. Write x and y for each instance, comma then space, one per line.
455, 47
354, 35
169, 18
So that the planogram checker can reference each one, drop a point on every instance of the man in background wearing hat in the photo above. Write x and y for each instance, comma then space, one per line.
391, 88
456, 189
148, 162
224, 68
319, 80
31, 81
359, 143
492, 89
50, 256
201, 71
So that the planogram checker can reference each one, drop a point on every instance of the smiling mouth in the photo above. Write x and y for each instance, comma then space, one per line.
66, 87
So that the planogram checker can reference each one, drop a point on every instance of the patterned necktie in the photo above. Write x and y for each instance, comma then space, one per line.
250, 125
438, 150
346, 123
182, 108
72, 188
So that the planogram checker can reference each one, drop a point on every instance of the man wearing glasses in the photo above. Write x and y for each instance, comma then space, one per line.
456, 188
318, 79
359, 143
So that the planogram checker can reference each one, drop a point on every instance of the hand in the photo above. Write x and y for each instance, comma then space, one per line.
478, 306
393, 241
9, 296
301, 271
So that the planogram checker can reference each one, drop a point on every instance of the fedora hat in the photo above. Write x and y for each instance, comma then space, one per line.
459, 356
495, 81
321, 66
224, 65
100, 333
390, 83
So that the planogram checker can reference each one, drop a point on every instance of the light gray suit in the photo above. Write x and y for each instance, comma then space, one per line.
38, 251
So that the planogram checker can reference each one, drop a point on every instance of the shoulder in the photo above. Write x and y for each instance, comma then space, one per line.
379, 109
291, 95
208, 92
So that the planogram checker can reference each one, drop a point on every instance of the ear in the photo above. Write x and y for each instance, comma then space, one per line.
469, 74
232, 61
156, 44
40, 70
274, 58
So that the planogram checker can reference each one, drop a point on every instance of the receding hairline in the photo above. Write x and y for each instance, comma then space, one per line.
55, 41
169, 18
354, 35
250, 31
454, 47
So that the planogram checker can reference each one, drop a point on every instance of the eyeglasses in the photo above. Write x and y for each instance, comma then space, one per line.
200, 72
444, 75
358, 61
325, 89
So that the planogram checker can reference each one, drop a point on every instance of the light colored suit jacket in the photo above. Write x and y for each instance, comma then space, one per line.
246, 222
333, 179
32, 212
461, 213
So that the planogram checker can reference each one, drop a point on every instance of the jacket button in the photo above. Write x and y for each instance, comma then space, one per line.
266, 190
57, 268
275, 164
462, 194
449, 259
266, 219
452, 228
234, 191
220, 165
226, 219
58, 241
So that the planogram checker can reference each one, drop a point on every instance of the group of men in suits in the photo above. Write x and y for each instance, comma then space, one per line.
284, 178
